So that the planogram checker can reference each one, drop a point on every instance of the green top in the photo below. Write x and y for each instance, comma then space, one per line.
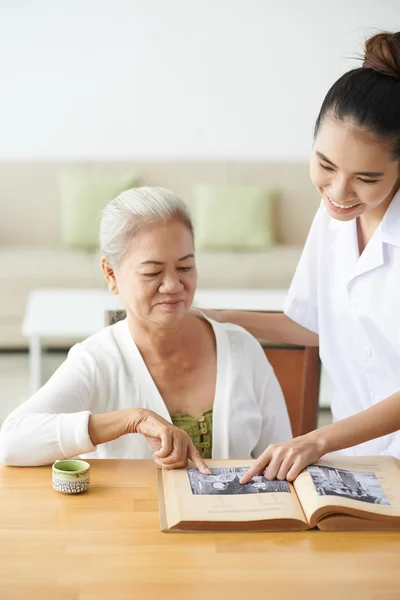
200, 430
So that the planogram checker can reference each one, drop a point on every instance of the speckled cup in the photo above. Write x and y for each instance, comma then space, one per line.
71, 476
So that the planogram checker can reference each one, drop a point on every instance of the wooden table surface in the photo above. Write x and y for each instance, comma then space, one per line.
106, 544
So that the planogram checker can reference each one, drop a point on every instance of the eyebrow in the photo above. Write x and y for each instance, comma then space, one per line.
157, 262
366, 173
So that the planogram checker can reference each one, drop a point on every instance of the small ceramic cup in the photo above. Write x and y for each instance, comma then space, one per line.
71, 476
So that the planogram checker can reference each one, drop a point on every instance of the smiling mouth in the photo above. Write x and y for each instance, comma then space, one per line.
342, 206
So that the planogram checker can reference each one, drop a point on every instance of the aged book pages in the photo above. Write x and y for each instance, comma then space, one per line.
346, 493
367, 488
191, 509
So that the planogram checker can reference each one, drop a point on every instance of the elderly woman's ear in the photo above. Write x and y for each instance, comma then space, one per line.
109, 275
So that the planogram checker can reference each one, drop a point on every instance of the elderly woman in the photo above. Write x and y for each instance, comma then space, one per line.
186, 386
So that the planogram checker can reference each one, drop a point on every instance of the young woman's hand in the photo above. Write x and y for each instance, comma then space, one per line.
215, 315
172, 446
286, 460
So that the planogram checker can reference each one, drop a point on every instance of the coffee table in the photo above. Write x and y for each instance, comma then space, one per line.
71, 315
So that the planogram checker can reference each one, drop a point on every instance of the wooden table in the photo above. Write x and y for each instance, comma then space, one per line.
106, 544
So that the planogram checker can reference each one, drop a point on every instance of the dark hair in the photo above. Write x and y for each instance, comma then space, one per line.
370, 95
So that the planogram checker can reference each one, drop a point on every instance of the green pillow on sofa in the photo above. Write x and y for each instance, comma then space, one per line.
234, 217
83, 197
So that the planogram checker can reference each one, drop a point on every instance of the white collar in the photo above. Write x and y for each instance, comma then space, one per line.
389, 226
345, 243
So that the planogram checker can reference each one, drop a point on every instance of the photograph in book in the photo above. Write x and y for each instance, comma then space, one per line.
355, 485
226, 481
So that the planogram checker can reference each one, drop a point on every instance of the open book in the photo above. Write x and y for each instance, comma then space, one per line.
337, 493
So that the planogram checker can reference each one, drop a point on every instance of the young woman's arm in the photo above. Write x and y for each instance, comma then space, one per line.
287, 460
276, 327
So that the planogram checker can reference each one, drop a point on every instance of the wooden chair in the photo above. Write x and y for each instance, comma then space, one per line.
298, 371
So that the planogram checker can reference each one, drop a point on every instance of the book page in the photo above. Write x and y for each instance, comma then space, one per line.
191, 496
364, 484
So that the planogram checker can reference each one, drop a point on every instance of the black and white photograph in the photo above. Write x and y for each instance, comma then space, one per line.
226, 481
355, 485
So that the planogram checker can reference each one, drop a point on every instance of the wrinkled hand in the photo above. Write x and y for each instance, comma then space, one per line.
286, 460
172, 446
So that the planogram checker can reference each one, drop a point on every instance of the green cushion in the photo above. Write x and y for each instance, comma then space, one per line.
83, 197
234, 217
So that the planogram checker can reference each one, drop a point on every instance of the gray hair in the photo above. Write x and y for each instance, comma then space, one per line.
134, 209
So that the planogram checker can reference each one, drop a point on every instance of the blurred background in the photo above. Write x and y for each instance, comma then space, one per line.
214, 99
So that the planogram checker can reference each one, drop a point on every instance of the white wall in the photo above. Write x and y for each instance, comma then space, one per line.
114, 79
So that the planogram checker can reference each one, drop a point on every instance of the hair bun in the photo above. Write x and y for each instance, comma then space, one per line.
382, 54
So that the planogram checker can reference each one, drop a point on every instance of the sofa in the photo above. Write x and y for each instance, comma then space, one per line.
32, 255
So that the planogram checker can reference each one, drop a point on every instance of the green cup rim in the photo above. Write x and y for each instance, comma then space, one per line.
81, 464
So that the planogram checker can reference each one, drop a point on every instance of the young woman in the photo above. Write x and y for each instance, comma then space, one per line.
345, 294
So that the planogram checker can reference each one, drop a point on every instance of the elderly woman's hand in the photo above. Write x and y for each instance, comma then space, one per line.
286, 460
172, 446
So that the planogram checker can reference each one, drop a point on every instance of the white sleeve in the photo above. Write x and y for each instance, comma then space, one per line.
275, 423
53, 423
301, 303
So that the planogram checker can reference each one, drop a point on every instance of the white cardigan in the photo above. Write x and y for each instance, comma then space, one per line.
106, 372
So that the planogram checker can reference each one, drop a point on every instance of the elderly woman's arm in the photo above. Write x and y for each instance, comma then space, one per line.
53, 423
56, 423
172, 446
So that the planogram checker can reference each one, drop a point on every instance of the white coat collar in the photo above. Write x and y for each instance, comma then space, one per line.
345, 242
391, 222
